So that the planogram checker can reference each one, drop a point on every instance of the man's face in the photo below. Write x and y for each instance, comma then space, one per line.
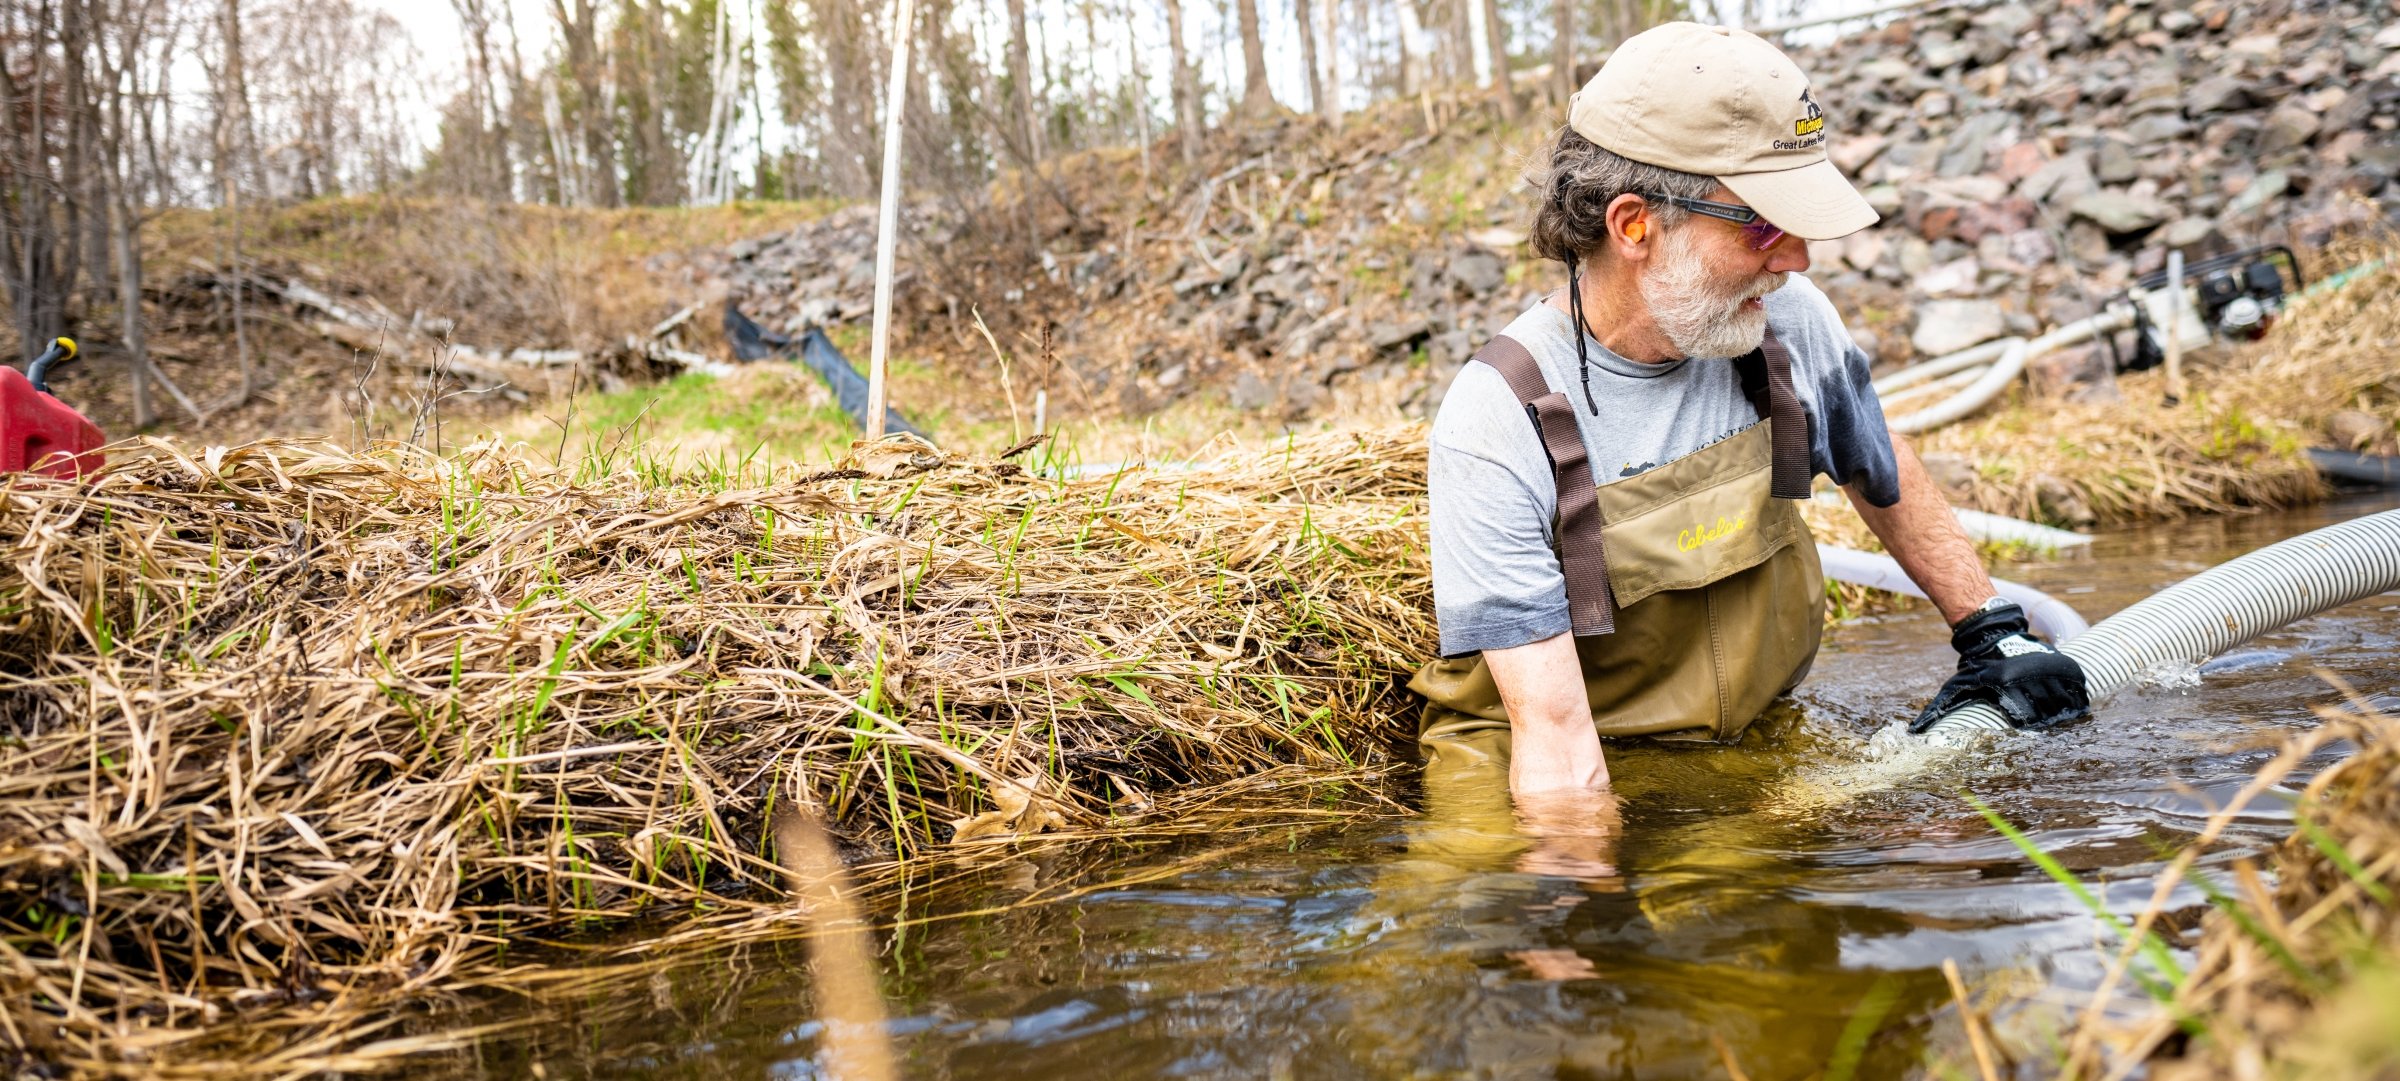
1705, 285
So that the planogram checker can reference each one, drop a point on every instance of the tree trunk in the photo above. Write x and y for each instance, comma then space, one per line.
1137, 87
1333, 59
1562, 53
1020, 83
117, 148
599, 179
1308, 62
1256, 98
29, 240
1470, 44
1182, 85
233, 109
662, 173
129, 316
1413, 76
1497, 32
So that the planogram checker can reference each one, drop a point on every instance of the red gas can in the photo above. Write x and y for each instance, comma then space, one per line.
40, 433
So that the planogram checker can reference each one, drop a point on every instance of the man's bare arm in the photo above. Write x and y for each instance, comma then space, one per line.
1553, 744
1926, 539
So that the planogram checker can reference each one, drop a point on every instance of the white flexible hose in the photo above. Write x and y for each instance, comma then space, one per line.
2006, 530
1946, 385
2050, 617
2224, 606
1977, 394
1958, 361
1992, 528
2006, 360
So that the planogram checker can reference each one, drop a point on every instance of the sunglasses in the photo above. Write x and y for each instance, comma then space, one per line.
1757, 231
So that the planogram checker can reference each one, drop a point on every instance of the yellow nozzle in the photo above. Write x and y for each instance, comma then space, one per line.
67, 344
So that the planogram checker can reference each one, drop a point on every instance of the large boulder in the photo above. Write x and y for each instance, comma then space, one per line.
2120, 212
1947, 326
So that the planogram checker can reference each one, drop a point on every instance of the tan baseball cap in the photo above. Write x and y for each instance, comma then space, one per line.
1725, 103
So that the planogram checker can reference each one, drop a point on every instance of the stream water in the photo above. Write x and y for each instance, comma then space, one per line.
1448, 945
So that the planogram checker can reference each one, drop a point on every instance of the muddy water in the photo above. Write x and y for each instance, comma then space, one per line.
1447, 944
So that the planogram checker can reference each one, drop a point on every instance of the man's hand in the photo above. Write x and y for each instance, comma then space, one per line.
2001, 665
1553, 746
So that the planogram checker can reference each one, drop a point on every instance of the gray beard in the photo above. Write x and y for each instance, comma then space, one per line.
1698, 315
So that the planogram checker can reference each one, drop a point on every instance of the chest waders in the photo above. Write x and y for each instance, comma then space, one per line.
1693, 588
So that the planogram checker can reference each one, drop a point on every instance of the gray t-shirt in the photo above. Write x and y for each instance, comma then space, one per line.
1496, 582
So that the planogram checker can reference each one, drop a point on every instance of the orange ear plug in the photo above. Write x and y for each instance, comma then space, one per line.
1636, 231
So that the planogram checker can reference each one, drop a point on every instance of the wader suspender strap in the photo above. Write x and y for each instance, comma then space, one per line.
1591, 607
1767, 381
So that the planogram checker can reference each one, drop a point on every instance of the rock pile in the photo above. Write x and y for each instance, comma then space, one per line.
821, 273
2030, 159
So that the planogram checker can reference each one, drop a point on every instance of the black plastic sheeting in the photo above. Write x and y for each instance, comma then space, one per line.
2377, 469
752, 342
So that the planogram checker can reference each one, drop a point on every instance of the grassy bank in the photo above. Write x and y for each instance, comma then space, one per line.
287, 728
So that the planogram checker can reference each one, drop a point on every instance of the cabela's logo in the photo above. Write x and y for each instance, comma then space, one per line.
1814, 121
1705, 534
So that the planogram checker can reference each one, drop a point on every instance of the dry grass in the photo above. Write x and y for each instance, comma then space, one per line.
288, 730
2299, 979
2297, 964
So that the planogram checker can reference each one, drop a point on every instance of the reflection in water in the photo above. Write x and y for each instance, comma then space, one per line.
1481, 939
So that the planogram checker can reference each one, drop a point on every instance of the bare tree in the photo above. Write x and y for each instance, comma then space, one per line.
1137, 87
1182, 85
488, 143
1020, 84
133, 22
1333, 60
1562, 52
848, 102
1308, 61
1256, 98
236, 146
1496, 32
31, 209
1411, 32
578, 23
1457, 38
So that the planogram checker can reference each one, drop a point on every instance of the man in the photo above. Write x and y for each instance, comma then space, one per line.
1616, 550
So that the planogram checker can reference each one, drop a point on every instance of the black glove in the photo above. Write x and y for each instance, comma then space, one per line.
2001, 665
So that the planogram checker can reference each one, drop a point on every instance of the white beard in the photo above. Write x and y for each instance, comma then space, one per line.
1699, 315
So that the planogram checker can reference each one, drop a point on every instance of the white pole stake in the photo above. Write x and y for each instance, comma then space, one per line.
2174, 326
887, 221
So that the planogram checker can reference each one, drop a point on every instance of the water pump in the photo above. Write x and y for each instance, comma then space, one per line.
2234, 297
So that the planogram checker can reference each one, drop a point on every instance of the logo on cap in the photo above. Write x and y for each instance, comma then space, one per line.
1814, 121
